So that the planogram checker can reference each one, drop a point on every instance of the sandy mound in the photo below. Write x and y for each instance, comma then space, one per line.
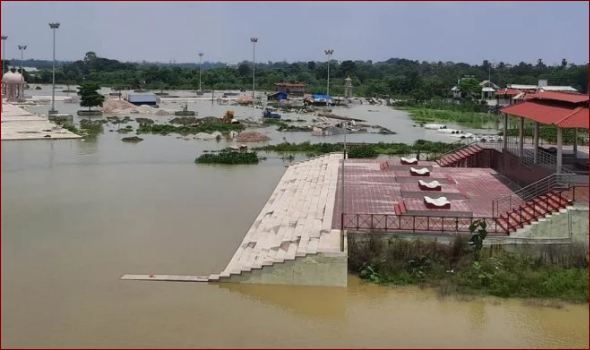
116, 106
251, 136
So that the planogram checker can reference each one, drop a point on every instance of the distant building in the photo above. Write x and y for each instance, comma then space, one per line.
278, 96
347, 87
488, 90
542, 85
144, 98
295, 89
515, 93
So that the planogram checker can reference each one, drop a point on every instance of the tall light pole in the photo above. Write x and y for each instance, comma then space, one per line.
22, 49
54, 26
200, 70
4, 37
253, 40
328, 53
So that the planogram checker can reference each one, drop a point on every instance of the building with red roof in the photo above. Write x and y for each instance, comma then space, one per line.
559, 109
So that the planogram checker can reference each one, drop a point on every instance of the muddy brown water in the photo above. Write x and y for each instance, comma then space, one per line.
76, 215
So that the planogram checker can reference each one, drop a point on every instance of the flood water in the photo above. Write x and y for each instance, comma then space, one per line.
76, 215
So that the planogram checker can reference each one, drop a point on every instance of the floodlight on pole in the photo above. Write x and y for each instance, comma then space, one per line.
328, 53
4, 38
253, 40
54, 26
200, 70
22, 49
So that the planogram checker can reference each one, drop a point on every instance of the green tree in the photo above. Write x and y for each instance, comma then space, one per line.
469, 87
478, 229
89, 96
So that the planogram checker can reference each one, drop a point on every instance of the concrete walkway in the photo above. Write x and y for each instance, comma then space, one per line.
18, 124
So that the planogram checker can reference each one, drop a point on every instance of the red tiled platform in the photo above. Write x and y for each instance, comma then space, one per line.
371, 190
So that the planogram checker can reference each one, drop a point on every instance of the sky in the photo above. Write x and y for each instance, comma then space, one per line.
300, 31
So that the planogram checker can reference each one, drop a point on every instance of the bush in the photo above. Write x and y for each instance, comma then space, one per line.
560, 273
228, 157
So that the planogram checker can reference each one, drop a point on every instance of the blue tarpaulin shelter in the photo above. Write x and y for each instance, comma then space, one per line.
278, 96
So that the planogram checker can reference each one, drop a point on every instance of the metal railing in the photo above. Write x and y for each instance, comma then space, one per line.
543, 186
415, 223
539, 206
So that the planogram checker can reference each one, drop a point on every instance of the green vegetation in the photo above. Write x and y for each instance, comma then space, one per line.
69, 126
366, 150
91, 128
228, 157
466, 118
550, 271
206, 126
89, 96
125, 130
395, 77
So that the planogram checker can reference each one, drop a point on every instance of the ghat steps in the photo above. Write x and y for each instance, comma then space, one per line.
295, 223
296, 220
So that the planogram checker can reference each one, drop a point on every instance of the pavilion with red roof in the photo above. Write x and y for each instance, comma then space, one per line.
562, 110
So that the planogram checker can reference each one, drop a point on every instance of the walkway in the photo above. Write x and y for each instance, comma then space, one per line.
18, 124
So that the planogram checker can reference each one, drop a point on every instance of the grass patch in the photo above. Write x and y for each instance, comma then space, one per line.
470, 119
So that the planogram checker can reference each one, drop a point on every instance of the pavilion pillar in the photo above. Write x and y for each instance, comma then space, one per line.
575, 143
536, 143
505, 134
520, 136
558, 161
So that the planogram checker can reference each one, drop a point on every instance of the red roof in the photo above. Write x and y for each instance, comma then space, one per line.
508, 92
290, 84
549, 114
560, 96
577, 119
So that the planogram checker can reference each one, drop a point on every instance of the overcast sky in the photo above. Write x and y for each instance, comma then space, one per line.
162, 31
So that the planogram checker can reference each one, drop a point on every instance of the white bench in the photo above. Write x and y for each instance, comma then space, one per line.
429, 186
412, 160
439, 203
419, 172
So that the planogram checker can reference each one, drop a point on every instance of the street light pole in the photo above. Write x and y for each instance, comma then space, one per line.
254, 40
54, 26
328, 53
200, 70
22, 49
4, 37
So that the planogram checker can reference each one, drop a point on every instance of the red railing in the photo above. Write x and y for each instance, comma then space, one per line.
541, 205
415, 223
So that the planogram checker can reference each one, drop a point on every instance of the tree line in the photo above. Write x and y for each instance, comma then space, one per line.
396, 77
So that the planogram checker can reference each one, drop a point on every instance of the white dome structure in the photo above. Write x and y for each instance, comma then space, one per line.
13, 86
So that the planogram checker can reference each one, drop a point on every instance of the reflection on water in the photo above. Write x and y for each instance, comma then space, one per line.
76, 215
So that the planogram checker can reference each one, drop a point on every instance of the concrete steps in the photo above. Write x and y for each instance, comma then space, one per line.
459, 156
296, 220
533, 210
